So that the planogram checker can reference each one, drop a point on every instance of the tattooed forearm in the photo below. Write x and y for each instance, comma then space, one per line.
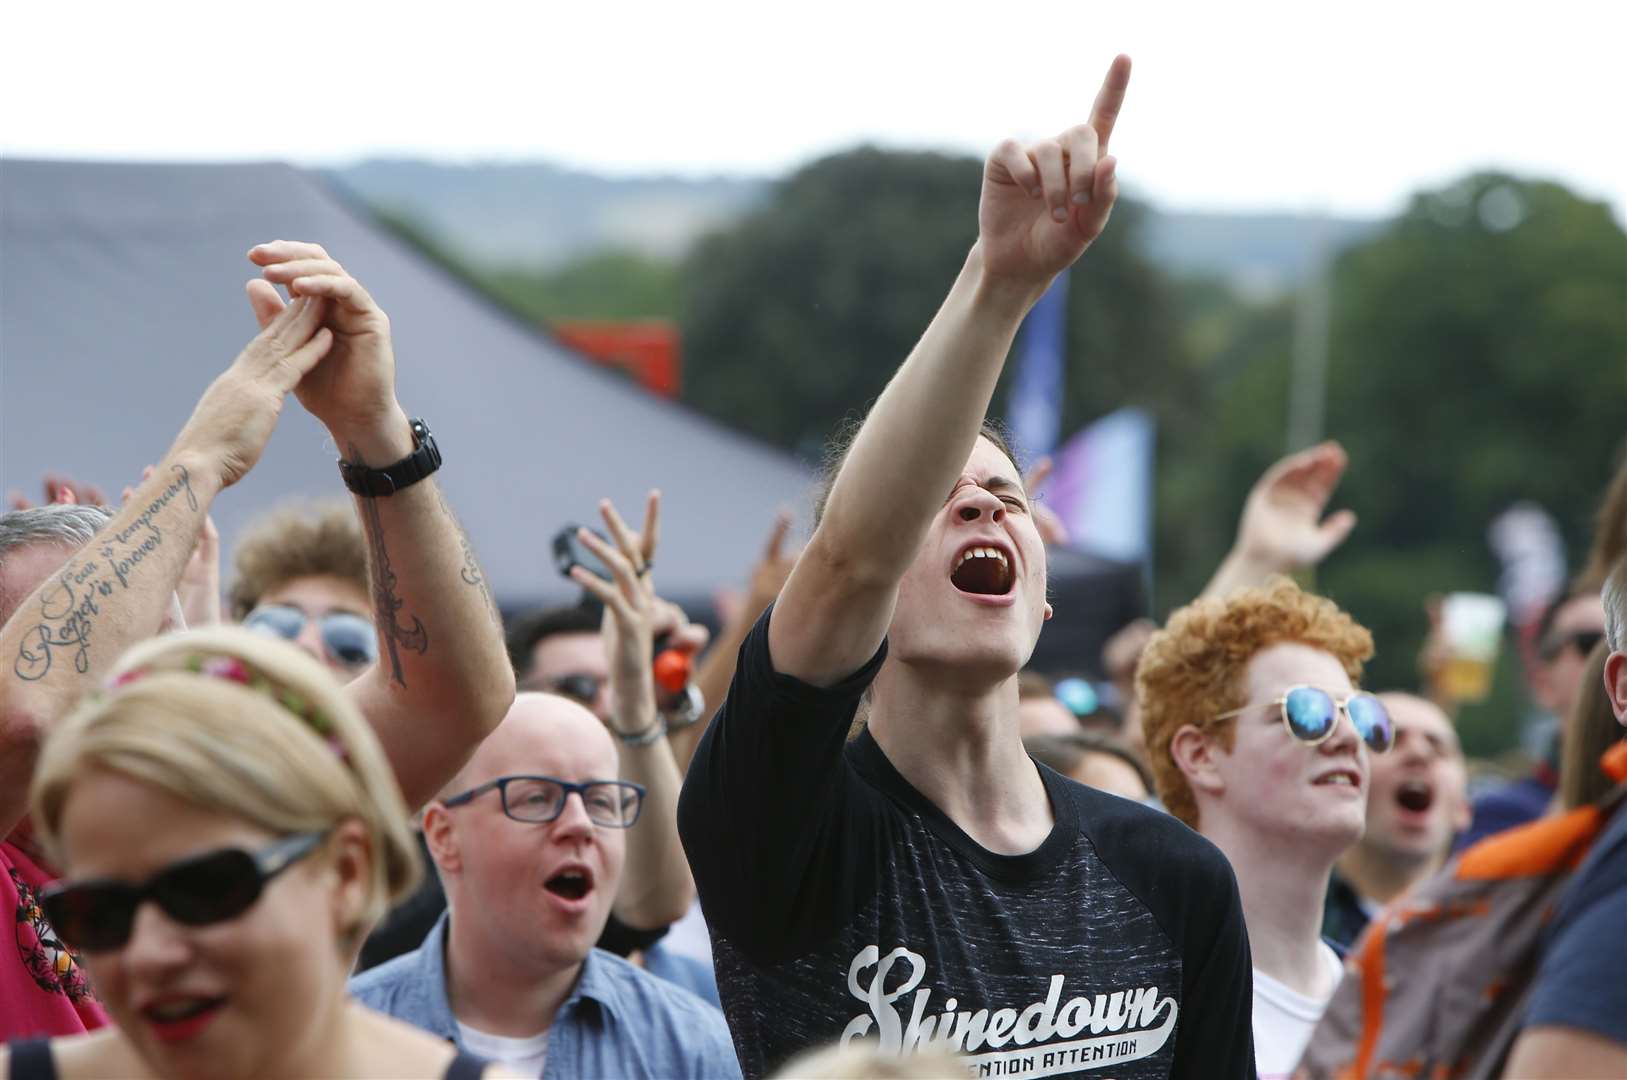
386, 604
470, 571
68, 606
67, 612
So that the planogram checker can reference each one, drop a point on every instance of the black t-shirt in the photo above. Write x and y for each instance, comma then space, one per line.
843, 903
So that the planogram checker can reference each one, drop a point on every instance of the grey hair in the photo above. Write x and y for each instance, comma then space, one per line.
1614, 595
67, 526
56, 524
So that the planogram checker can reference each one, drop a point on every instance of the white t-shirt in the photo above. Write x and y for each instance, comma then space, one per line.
1284, 1018
524, 1056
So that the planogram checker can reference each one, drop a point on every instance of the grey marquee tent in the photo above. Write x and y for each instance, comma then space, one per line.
121, 297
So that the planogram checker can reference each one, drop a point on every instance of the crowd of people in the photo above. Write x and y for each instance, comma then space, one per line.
353, 822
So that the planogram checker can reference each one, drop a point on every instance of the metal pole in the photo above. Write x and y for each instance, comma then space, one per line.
1308, 391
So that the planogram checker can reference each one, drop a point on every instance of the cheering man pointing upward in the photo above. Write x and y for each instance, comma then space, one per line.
927, 883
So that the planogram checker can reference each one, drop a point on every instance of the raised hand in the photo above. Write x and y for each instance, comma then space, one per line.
354, 389
1052, 529
1283, 527
631, 613
1043, 204
670, 621
58, 489
233, 421
199, 587
768, 574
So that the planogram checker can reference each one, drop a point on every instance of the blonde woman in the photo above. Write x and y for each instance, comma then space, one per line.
229, 828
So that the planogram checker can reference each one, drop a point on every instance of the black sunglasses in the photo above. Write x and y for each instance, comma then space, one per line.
96, 916
615, 804
346, 637
580, 688
1585, 642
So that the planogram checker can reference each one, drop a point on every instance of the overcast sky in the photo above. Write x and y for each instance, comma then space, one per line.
1241, 104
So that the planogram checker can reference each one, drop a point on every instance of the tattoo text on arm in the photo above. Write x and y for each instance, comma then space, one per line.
106, 566
470, 572
386, 604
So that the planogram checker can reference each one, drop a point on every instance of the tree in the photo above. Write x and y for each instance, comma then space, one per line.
796, 316
1478, 357
606, 284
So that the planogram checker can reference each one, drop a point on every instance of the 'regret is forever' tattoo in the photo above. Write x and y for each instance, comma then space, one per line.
386, 604
69, 605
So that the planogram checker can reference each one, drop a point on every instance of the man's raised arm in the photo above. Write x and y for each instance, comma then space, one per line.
1041, 207
443, 680
117, 589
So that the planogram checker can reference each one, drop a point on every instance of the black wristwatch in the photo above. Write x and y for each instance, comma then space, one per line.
422, 462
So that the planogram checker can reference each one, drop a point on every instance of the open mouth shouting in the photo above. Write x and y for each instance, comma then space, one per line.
983, 570
1415, 797
571, 885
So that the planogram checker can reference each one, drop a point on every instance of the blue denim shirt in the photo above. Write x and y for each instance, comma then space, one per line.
618, 1021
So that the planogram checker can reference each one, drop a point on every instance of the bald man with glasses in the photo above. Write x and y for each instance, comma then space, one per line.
529, 841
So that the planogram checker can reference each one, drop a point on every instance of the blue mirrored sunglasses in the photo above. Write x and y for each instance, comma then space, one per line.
347, 638
1310, 715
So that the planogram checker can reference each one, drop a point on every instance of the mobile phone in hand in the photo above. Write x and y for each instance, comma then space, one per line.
570, 552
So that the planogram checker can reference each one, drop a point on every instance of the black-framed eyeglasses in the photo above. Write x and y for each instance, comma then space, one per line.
1585, 641
97, 915
615, 804
347, 638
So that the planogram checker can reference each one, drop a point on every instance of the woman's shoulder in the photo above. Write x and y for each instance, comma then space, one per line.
82, 1057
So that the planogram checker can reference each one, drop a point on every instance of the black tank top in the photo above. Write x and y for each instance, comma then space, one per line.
31, 1060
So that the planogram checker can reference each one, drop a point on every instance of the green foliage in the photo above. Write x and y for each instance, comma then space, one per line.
601, 285
1479, 357
797, 315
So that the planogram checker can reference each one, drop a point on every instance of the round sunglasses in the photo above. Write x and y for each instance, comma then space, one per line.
97, 916
1310, 715
347, 638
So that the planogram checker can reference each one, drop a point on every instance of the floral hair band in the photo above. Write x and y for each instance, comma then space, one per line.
231, 669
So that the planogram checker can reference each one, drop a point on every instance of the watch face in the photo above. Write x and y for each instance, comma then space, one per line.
688, 708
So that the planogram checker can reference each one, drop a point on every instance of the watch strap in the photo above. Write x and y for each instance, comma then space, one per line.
377, 483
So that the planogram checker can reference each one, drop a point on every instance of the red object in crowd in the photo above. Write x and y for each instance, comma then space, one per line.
647, 350
672, 670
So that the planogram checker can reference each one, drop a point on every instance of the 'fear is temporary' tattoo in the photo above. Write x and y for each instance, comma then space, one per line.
70, 605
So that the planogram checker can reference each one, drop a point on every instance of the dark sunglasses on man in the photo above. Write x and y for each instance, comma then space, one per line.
97, 915
347, 638
579, 687
1584, 642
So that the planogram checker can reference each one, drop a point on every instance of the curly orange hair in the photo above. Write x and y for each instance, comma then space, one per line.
1193, 669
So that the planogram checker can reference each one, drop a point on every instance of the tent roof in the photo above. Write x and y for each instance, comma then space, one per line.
121, 297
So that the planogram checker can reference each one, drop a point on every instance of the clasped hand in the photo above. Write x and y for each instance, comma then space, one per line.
330, 345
